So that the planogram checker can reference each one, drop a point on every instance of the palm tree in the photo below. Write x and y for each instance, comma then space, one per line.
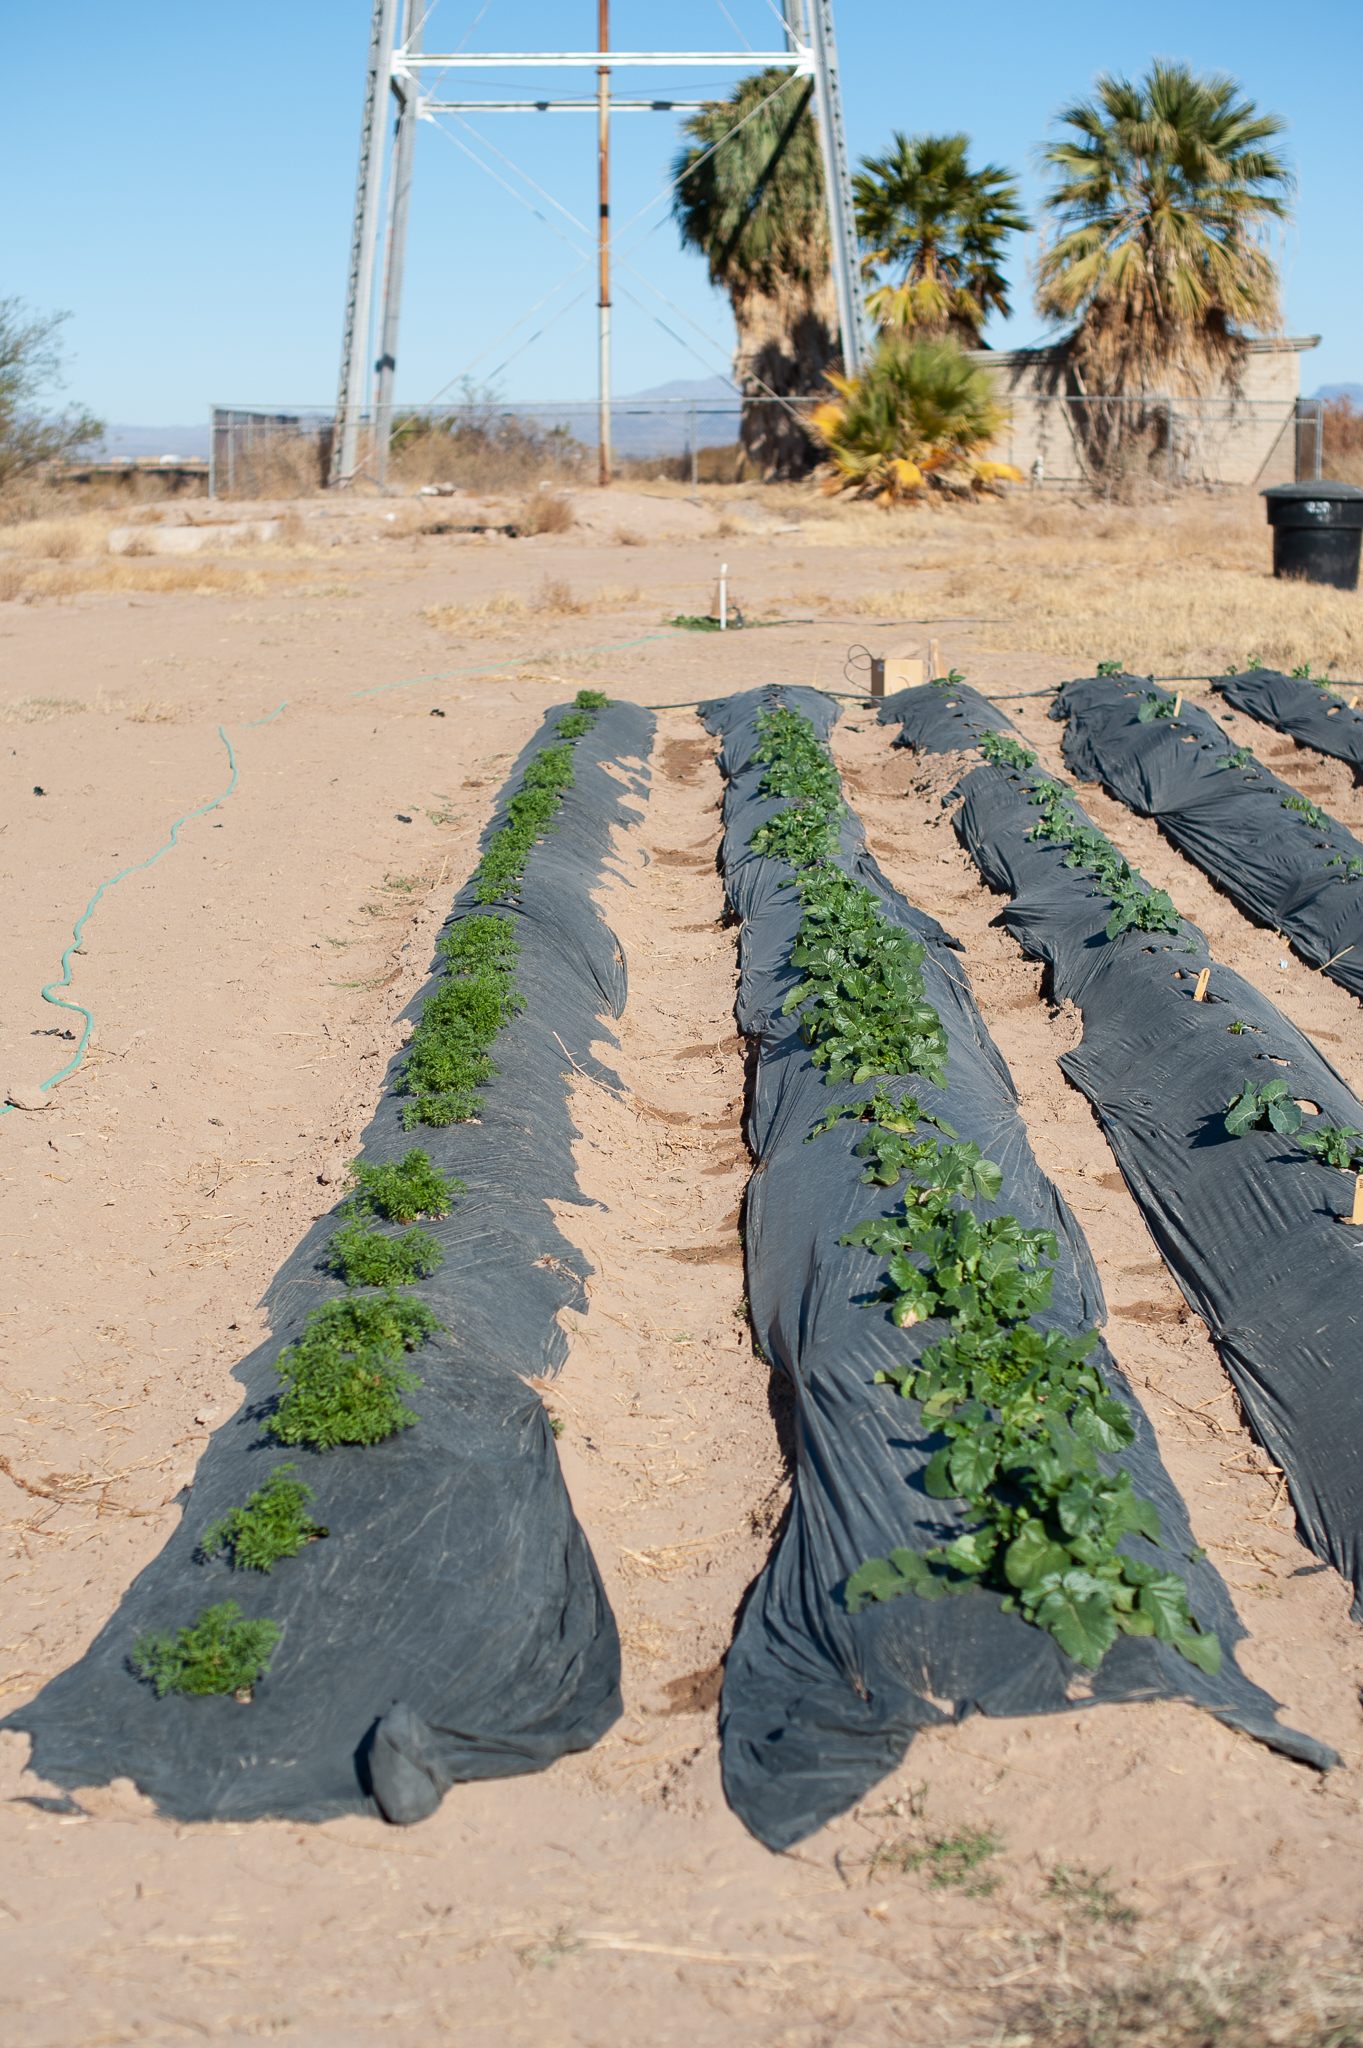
1164, 206
750, 196
923, 212
921, 413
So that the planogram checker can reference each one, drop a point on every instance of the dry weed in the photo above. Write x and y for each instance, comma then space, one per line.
1173, 589
1201, 2001
556, 598
626, 537
545, 511
117, 573
486, 617
38, 710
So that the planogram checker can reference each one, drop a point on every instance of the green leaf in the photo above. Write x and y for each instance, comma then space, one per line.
1165, 1600
972, 1464
937, 1476
1285, 1116
884, 1578
1082, 1623
1106, 1425
1032, 1555
972, 1552
1202, 1649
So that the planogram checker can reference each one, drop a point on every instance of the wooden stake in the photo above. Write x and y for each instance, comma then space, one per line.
1357, 1216
934, 660
1178, 702
1200, 992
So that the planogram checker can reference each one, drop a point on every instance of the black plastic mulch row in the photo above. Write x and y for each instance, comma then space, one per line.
453, 1624
1231, 819
1300, 709
818, 1705
1249, 1227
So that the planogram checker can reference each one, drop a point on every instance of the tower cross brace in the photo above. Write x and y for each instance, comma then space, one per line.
396, 62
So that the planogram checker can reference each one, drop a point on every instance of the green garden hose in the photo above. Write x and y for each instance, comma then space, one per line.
60, 1001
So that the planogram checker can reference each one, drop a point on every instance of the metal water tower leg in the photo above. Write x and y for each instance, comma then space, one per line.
399, 196
364, 235
842, 224
603, 159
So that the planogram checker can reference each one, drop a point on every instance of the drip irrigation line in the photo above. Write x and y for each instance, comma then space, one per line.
59, 1002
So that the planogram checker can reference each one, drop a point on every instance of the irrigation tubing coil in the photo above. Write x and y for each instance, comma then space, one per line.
827, 1682
447, 1621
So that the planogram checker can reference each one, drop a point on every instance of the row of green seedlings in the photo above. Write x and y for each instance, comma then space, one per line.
1160, 705
1024, 1413
344, 1378
1254, 1106
1135, 905
344, 1382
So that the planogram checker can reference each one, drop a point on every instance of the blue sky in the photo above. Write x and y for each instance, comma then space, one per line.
184, 179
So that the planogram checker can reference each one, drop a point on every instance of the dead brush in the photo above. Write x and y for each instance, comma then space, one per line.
545, 512
556, 600
1205, 2000
486, 617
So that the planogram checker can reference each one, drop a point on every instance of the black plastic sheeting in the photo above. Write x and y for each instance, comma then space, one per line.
453, 1624
1230, 821
1300, 709
1247, 1226
818, 1705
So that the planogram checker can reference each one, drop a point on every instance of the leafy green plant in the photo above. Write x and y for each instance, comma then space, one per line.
1001, 750
400, 1190
1241, 757
1156, 704
344, 1378
1269, 1103
450, 1057
219, 1653
272, 1523
1135, 905
365, 1256
1312, 813
1025, 1416
1114, 668
862, 999
591, 700
1342, 1147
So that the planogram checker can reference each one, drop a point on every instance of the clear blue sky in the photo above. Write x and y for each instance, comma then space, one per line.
181, 178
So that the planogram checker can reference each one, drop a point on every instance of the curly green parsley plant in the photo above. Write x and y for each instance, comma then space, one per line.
272, 1523
219, 1653
450, 1054
531, 810
344, 1378
1025, 1416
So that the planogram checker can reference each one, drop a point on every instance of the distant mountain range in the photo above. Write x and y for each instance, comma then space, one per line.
1352, 391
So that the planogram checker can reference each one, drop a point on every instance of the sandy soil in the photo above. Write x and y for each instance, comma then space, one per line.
250, 978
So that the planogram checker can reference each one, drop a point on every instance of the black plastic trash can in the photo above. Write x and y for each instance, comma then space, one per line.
1317, 528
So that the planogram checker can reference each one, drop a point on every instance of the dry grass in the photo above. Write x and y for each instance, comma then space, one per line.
38, 710
555, 599
28, 584
1205, 2001
41, 710
1169, 589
